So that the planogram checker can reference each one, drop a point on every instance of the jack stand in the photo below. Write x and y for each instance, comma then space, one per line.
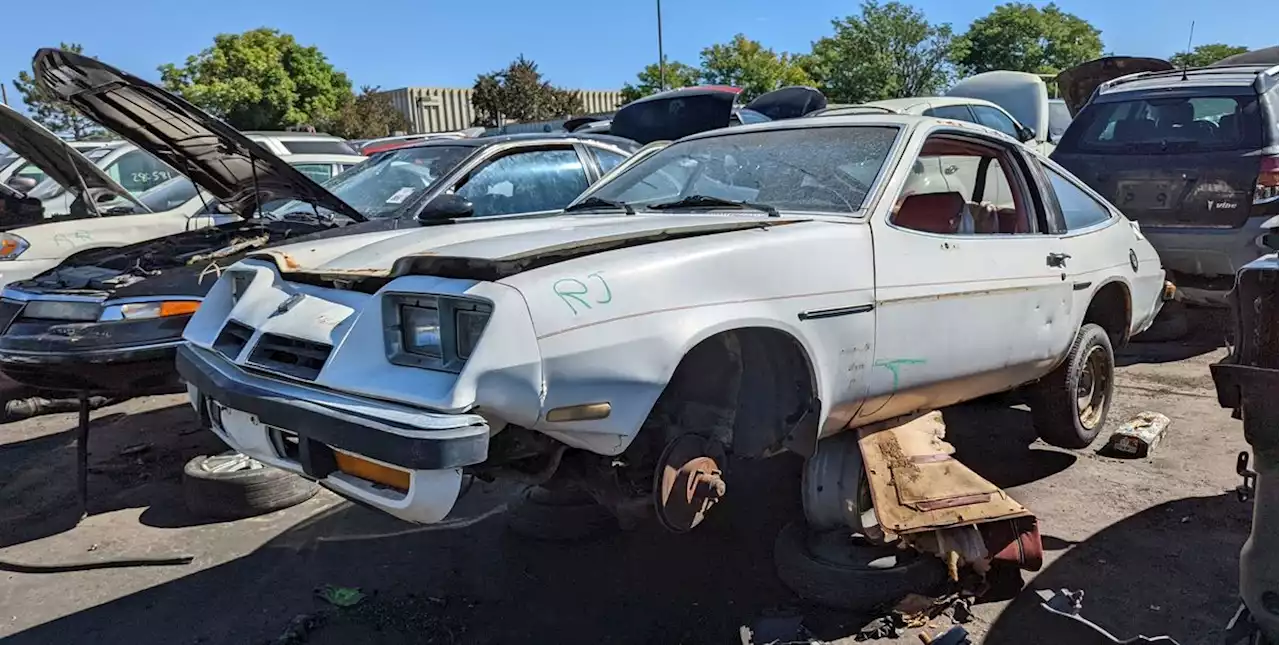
82, 456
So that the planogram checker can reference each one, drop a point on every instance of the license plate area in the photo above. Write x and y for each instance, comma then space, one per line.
1146, 195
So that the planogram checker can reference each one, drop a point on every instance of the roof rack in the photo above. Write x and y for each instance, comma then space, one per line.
1226, 69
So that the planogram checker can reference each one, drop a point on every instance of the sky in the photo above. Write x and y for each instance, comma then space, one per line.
577, 44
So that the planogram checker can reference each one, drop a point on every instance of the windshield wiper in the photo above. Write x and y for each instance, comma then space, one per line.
600, 202
706, 201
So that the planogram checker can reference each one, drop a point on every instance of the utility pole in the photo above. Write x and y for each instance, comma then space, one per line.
662, 60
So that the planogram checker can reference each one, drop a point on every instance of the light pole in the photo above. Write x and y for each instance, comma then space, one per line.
662, 61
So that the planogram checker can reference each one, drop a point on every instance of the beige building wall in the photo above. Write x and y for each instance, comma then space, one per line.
444, 109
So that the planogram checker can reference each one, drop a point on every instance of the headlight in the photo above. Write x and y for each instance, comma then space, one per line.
142, 310
69, 310
11, 246
420, 327
435, 332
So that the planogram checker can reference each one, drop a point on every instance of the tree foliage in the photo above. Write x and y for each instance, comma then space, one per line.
1204, 55
886, 51
649, 80
1021, 37
519, 94
261, 80
55, 115
367, 116
756, 69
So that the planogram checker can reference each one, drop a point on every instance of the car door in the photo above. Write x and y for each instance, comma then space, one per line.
525, 180
962, 315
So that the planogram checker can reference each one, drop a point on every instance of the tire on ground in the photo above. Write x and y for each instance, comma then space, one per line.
241, 493
558, 517
1170, 324
1053, 399
850, 586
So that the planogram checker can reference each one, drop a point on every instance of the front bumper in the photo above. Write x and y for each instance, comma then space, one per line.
298, 428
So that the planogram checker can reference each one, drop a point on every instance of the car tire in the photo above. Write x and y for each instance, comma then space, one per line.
225, 487
1054, 400
558, 516
1170, 324
862, 581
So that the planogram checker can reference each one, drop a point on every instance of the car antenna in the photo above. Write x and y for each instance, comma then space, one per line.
1186, 59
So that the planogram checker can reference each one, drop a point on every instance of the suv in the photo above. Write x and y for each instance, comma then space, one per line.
1189, 154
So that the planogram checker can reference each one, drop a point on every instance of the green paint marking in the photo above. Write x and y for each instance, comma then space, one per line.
892, 366
570, 289
608, 293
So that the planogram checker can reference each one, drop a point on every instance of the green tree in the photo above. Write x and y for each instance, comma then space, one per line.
261, 80
55, 115
519, 94
1021, 37
887, 51
749, 65
367, 116
1205, 55
649, 80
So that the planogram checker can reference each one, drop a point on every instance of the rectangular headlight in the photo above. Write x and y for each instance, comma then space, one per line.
420, 330
433, 332
69, 310
469, 325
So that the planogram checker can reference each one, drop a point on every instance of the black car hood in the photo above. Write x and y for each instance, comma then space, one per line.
673, 114
186, 264
1076, 85
1264, 56
789, 102
48, 152
238, 172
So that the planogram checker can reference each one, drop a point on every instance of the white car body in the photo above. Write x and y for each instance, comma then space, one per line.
879, 327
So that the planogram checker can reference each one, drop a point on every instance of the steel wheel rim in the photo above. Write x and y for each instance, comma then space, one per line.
1091, 387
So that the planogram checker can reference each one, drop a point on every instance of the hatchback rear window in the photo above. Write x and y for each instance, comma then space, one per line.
1160, 125
319, 147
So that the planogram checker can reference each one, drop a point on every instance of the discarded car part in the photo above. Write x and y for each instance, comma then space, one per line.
1170, 324
688, 482
1068, 604
954, 636
232, 486
1015, 542
1246, 382
1069, 406
833, 487
837, 569
558, 515
34, 406
1137, 437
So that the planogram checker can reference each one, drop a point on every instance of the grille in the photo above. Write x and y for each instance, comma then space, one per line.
291, 356
9, 310
232, 339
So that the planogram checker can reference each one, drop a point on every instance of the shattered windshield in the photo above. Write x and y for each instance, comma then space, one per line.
819, 169
380, 186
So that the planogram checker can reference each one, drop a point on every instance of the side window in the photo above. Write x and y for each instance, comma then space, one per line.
1079, 209
607, 160
995, 119
526, 182
962, 188
318, 172
957, 112
138, 171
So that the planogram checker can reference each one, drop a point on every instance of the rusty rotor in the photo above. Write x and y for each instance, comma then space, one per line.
687, 482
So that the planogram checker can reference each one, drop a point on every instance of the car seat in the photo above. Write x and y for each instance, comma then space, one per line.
931, 212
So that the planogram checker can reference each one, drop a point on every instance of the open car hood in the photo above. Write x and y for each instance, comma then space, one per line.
673, 114
238, 172
48, 152
788, 102
1264, 56
1076, 85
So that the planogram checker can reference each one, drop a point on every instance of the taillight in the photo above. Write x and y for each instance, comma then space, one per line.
1268, 186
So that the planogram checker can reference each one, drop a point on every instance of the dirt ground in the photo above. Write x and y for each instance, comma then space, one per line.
1153, 542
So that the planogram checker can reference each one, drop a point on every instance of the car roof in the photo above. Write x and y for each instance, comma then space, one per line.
907, 104
285, 134
479, 142
1230, 76
893, 120
321, 157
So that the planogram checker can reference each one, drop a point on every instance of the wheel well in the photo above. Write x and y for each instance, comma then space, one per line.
1111, 310
749, 388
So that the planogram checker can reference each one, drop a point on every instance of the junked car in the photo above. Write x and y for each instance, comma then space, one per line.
109, 320
26, 175
744, 291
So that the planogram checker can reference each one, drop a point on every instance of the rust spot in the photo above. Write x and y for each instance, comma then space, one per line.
289, 261
897, 460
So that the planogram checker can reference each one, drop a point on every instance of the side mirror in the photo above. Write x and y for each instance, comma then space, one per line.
1026, 134
444, 207
22, 184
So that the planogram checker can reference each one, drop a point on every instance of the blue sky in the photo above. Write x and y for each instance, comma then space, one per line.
579, 44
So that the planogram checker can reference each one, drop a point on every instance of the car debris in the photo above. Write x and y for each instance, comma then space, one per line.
340, 596
1068, 605
1137, 437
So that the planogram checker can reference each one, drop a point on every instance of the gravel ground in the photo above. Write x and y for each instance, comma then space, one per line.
1153, 542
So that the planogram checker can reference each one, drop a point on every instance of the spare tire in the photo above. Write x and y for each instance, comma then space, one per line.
233, 486
865, 576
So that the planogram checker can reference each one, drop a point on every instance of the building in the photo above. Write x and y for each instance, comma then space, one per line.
445, 109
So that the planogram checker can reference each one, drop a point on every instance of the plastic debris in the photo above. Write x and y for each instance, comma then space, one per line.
340, 596
1138, 436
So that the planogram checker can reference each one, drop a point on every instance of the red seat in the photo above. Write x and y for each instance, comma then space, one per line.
930, 212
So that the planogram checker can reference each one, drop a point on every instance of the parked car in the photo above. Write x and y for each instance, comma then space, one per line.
1191, 155
1022, 95
722, 296
109, 320
13, 166
282, 143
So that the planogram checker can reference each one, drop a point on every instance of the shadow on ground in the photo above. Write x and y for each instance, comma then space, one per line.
135, 461
995, 441
1210, 329
1179, 559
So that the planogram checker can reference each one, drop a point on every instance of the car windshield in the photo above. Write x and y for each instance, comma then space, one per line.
1059, 119
382, 185
818, 169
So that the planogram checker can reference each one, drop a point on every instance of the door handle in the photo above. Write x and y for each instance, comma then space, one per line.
950, 170
1056, 259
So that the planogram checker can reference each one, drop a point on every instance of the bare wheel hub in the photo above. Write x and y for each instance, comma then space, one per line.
688, 482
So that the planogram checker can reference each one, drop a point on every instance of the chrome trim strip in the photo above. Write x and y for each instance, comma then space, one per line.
818, 314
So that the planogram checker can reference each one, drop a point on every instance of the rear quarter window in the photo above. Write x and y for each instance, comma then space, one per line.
1156, 124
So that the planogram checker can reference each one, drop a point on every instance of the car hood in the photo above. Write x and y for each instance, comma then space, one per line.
493, 250
1076, 85
48, 152
239, 172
